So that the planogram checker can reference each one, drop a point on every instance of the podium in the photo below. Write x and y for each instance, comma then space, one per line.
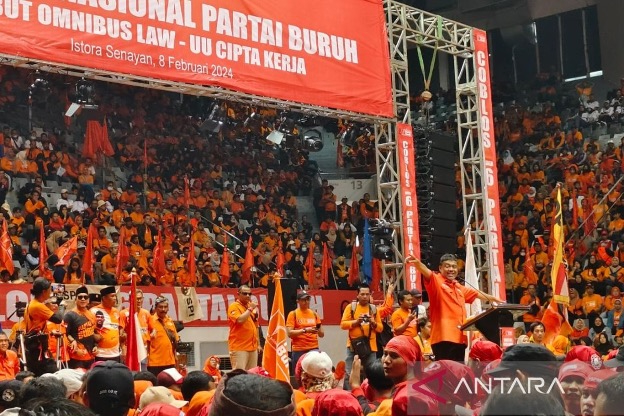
490, 321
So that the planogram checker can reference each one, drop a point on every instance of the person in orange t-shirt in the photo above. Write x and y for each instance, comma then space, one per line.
162, 337
447, 311
107, 326
304, 328
9, 363
403, 320
243, 338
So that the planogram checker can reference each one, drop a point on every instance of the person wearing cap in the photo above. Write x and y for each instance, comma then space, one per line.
420, 309
64, 200
80, 328
10, 396
163, 338
9, 362
571, 376
39, 311
404, 319
107, 326
243, 340
447, 309
591, 391
304, 327
159, 394
481, 354
109, 389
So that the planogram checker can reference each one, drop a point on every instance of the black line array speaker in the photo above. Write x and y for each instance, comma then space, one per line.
289, 295
437, 195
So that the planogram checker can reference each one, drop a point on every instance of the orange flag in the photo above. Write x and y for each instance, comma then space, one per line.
279, 259
123, 255
43, 251
275, 357
354, 267
6, 250
67, 250
187, 193
248, 263
376, 278
325, 265
89, 258
224, 268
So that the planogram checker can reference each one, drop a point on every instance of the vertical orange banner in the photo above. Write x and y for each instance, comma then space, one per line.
409, 203
275, 357
490, 172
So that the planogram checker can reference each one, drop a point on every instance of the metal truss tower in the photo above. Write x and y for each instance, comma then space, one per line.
407, 28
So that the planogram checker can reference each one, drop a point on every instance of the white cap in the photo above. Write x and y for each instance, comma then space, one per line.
159, 394
317, 364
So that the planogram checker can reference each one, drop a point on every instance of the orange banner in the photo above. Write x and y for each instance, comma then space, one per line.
323, 52
409, 203
490, 172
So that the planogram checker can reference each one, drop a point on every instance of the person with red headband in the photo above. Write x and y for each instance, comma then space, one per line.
447, 299
401, 363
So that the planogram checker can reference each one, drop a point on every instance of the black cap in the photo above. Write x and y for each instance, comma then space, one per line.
9, 393
110, 387
416, 293
82, 290
303, 295
107, 290
535, 357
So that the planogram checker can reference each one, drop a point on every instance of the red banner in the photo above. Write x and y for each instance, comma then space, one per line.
323, 52
329, 304
490, 172
409, 203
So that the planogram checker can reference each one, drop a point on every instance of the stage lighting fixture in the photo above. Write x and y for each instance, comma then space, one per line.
381, 232
313, 141
85, 92
39, 90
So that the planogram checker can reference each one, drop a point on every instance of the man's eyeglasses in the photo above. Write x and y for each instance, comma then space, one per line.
82, 297
245, 293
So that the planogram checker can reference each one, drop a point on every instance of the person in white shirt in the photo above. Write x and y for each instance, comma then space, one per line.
64, 200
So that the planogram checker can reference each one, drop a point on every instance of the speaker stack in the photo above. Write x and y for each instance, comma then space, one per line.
437, 196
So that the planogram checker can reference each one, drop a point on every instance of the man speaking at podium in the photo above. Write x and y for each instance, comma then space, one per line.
447, 313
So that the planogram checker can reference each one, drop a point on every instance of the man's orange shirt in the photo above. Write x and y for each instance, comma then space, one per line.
160, 348
143, 315
9, 365
243, 336
299, 319
399, 317
447, 310
36, 316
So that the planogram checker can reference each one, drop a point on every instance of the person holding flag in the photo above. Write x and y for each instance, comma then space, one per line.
80, 328
304, 327
143, 317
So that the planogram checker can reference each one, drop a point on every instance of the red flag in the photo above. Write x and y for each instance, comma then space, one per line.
43, 251
275, 357
529, 269
89, 258
310, 269
67, 250
354, 267
191, 259
248, 263
376, 278
6, 250
159, 257
123, 255
187, 193
224, 268
325, 265
279, 259
132, 354
575, 222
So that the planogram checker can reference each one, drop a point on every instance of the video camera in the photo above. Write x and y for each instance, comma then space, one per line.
20, 309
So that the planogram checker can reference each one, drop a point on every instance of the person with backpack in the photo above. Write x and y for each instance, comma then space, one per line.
361, 320
304, 328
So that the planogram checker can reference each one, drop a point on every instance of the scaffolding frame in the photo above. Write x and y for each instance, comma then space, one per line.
409, 27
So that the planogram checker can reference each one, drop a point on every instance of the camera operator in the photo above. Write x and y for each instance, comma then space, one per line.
39, 311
